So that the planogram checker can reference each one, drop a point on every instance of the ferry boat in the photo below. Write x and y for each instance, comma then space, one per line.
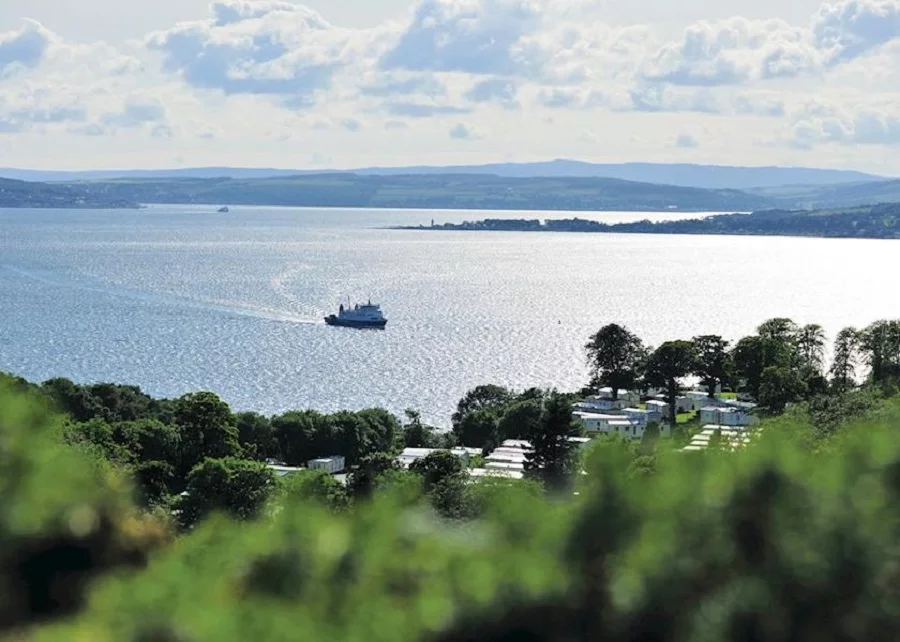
367, 315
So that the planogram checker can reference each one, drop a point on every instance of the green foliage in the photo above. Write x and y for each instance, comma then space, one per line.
479, 429
614, 354
65, 516
416, 434
437, 468
239, 487
667, 365
553, 457
778, 541
207, 429
712, 363
520, 419
780, 386
482, 398
256, 436
363, 481
315, 486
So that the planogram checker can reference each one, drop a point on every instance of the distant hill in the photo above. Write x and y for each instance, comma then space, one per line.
78, 196
442, 191
684, 175
829, 196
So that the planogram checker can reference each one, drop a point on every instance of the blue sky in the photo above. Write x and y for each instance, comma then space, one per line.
344, 83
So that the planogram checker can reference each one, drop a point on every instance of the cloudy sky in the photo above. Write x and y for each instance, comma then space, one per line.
348, 83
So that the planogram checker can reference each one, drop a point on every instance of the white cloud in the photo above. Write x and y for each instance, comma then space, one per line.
256, 77
850, 28
471, 36
24, 48
257, 47
849, 123
732, 52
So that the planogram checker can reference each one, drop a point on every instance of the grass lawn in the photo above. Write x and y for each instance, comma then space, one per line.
687, 418
728, 395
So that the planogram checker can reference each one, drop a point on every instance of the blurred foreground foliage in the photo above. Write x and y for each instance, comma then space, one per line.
797, 537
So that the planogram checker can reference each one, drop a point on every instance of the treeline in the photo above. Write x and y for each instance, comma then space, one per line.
877, 221
53, 195
192, 455
782, 363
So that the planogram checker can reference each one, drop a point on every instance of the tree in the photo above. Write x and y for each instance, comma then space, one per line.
304, 435
881, 344
780, 329
712, 362
437, 467
488, 397
553, 456
207, 429
149, 440
752, 355
810, 346
520, 419
780, 386
846, 358
415, 433
613, 356
71, 399
236, 486
256, 435
362, 482
667, 365
316, 486
479, 429
382, 431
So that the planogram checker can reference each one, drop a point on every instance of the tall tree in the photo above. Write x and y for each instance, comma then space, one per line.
810, 347
780, 386
520, 419
712, 362
415, 433
881, 344
779, 329
613, 355
256, 435
362, 482
846, 358
489, 397
752, 355
437, 467
304, 435
207, 429
667, 365
553, 456
236, 486
479, 429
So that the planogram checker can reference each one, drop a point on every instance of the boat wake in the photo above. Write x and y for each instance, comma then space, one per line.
222, 306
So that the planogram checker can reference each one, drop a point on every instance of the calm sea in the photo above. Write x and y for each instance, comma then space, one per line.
177, 299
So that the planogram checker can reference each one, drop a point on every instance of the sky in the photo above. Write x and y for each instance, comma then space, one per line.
107, 84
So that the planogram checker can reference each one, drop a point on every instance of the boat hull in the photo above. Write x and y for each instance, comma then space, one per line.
346, 323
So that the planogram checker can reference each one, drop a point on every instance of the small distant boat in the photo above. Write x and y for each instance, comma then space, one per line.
224, 210
367, 315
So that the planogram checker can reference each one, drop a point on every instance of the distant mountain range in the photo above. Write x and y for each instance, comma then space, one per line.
682, 175
440, 191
